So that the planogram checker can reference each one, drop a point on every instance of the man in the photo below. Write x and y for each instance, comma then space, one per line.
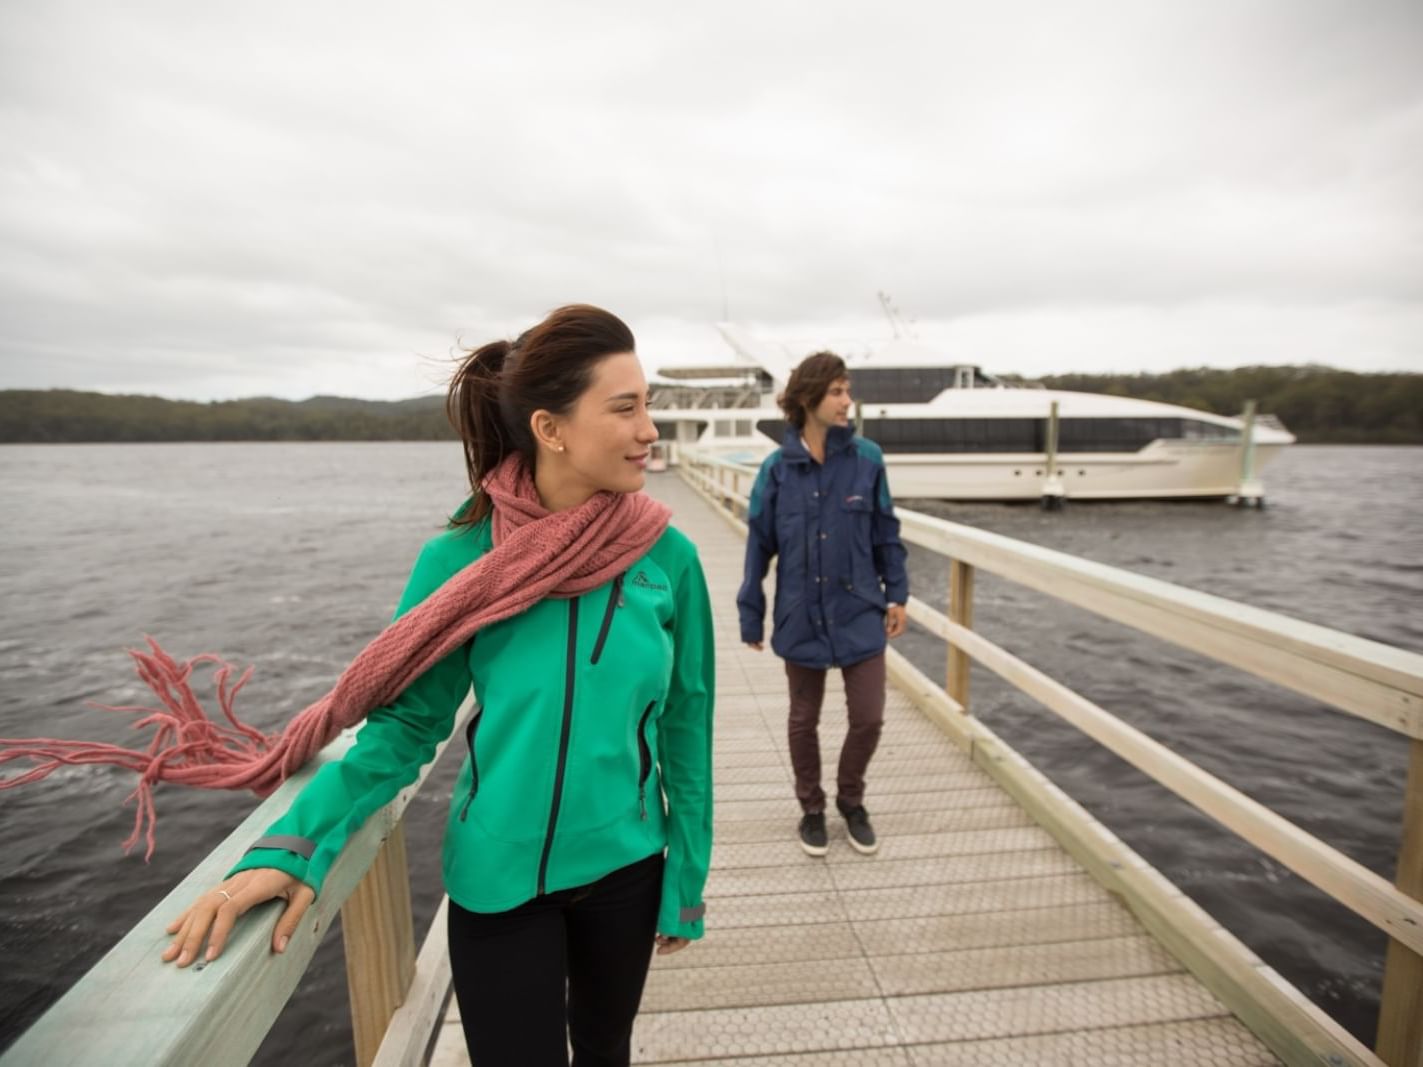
821, 505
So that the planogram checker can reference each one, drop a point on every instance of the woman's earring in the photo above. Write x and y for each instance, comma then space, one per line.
560, 448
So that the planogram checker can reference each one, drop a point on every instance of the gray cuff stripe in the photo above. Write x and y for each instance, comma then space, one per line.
691, 915
302, 846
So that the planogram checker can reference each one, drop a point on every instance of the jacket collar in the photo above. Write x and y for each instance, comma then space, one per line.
838, 439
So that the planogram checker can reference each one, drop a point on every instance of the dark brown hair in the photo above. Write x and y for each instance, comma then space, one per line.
809, 383
500, 385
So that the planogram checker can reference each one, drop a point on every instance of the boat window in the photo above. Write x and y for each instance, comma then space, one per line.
1019, 435
900, 385
1196, 430
1114, 435
1030, 435
957, 435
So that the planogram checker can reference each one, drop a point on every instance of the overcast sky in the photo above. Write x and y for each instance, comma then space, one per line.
293, 198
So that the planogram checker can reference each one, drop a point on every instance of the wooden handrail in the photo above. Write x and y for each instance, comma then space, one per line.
1347, 881
1300, 1033
1365, 678
132, 1009
1370, 680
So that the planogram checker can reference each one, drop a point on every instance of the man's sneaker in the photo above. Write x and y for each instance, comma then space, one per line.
812, 834
862, 834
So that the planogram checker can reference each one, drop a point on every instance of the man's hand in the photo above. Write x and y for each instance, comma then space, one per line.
896, 620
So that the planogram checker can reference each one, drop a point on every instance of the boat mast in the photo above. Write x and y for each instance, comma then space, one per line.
896, 321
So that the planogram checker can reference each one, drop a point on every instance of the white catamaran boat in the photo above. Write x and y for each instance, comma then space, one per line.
950, 431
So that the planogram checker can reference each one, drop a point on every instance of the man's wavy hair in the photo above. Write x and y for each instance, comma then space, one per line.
809, 383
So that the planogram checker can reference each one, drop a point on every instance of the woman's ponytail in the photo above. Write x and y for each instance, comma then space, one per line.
473, 408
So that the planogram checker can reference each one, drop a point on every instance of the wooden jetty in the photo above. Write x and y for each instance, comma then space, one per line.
999, 922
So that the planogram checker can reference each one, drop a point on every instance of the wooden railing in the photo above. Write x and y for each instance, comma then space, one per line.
132, 1009
1376, 682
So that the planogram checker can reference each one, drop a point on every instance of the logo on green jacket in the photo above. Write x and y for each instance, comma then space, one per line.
642, 581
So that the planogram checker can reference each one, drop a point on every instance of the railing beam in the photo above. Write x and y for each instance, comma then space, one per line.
1400, 1036
1346, 880
1365, 678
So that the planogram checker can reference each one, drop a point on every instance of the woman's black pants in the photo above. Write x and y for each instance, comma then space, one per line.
565, 968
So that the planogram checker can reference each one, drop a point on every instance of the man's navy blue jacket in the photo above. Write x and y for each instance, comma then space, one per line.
839, 558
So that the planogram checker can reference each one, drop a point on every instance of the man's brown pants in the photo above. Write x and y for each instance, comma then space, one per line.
864, 695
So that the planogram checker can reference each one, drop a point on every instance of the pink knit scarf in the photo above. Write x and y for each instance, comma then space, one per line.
536, 554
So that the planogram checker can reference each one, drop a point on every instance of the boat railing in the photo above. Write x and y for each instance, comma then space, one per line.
1352, 675
131, 1009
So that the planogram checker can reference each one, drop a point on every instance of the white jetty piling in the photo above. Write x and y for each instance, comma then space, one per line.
1251, 492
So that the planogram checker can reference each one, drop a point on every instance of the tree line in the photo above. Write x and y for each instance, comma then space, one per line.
1318, 404
63, 415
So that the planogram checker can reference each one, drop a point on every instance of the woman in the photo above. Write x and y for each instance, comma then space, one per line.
579, 833
821, 503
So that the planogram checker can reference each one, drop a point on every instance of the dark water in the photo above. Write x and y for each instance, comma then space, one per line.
292, 556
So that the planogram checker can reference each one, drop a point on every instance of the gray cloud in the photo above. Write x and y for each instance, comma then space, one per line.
289, 199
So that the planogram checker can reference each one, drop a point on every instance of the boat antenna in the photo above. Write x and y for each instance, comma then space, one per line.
888, 306
896, 320
721, 276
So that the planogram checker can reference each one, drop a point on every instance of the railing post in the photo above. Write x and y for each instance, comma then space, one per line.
379, 935
1400, 1037
961, 612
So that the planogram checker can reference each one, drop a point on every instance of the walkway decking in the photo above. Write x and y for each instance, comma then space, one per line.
970, 938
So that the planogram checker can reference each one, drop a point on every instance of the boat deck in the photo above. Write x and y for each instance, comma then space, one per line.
971, 937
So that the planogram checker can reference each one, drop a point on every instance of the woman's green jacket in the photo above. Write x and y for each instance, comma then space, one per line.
590, 748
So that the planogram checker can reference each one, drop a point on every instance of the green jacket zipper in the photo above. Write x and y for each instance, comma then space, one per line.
615, 600
644, 755
473, 763
562, 742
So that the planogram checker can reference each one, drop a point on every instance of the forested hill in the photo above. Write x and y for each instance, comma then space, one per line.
57, 415
1318, 404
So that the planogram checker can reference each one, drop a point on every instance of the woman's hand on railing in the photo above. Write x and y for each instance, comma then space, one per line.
213, 914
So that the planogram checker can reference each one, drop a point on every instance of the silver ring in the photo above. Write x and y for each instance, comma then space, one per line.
225, 893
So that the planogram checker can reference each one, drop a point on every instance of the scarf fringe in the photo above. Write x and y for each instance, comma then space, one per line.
185, 736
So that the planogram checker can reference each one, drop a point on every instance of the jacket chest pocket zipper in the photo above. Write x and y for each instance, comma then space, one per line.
644, 756
473, 763
615, 601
